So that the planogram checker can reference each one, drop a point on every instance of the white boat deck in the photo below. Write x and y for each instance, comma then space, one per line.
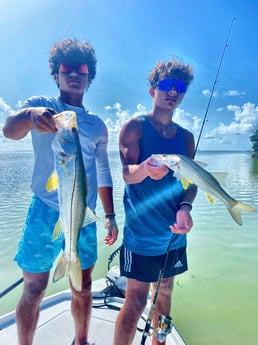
55, 326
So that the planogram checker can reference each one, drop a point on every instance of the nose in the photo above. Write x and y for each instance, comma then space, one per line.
74, 72
172, 91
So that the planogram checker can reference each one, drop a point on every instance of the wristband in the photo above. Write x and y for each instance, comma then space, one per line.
185, 203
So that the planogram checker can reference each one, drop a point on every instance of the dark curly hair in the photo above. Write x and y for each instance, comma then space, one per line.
172, 69
71, 50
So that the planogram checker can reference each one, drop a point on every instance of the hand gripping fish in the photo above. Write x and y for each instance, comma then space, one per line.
69, 178
188, 171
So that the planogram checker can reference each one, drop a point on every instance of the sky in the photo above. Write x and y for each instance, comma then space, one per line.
217, 38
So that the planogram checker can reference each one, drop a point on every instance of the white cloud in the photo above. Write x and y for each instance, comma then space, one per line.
5, 109
233, 93
245, 121
187, 120
121, 116
207, 93
248, 113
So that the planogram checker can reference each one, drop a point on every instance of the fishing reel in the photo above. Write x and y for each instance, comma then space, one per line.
164, 327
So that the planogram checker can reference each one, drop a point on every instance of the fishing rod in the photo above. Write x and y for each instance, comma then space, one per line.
10, 288
214, 84
164, 319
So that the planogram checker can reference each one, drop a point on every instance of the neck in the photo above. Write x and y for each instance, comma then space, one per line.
163, 118
71, 99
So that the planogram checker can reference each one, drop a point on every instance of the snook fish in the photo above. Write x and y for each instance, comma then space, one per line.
188, 171
69, 178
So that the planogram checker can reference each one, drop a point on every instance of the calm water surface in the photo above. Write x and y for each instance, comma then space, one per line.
216, 301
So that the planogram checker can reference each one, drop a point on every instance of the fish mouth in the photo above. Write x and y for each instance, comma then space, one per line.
65, 120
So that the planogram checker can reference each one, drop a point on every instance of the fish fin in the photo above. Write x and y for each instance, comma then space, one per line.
236, 209
60, 269
90, 217
201, 164
220, 177
210, 198
52, 182
75, 275
57, 230
185, 182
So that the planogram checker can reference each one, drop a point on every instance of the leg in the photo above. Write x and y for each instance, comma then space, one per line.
81, 308
163, 302
27, 311
135, 301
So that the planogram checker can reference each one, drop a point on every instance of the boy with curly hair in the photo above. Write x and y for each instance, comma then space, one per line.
157, 209
73, 66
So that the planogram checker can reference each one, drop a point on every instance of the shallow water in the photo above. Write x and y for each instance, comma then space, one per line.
216, 301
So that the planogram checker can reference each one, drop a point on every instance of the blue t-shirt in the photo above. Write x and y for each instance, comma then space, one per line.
93, 137
151, 205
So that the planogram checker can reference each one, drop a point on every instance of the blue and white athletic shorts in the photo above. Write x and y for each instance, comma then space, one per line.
37, 251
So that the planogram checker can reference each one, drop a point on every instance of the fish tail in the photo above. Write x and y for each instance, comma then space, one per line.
75, 274
236, 209
61, 269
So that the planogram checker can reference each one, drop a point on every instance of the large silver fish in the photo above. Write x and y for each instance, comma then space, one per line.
188, 171
69, 178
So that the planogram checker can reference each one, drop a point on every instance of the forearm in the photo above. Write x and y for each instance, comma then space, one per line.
134, 173
18, 125
106, 197
189, 197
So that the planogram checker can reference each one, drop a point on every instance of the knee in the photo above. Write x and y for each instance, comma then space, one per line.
86, 288
137, 304
34, 292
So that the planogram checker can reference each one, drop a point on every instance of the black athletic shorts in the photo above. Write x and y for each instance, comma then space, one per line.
147, 268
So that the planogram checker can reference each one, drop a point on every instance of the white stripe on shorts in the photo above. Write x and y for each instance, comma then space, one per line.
127, 259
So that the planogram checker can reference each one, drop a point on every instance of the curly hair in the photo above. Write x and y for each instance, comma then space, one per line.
172, 69
71, 50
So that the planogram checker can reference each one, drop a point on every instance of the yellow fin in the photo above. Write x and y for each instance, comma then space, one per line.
185, 182
57, 230
236, 209
60, 269
210, 198
73, 269
52, 182
90, 217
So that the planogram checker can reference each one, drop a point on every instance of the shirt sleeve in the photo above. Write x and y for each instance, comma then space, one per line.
102, 161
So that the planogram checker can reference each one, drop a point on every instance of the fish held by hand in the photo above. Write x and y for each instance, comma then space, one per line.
189, 171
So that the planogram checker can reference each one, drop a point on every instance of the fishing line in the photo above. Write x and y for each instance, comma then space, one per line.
214, 85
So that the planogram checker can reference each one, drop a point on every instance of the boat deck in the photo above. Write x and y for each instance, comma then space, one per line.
55, 326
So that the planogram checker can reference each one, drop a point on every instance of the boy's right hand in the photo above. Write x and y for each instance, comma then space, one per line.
42, 121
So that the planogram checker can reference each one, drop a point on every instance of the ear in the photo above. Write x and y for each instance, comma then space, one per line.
56, 79
151, 91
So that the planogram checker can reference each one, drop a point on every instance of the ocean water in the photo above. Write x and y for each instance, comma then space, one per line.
216, 301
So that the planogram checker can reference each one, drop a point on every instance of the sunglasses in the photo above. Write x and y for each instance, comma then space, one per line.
168, 84
80, 69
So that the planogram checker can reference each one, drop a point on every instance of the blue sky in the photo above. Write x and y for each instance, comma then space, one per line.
129, 38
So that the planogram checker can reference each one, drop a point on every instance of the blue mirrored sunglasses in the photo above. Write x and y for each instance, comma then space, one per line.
168, 84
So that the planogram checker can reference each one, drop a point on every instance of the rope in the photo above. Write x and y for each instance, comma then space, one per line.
111, 257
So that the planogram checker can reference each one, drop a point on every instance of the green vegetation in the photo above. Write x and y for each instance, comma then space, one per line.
254, 139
